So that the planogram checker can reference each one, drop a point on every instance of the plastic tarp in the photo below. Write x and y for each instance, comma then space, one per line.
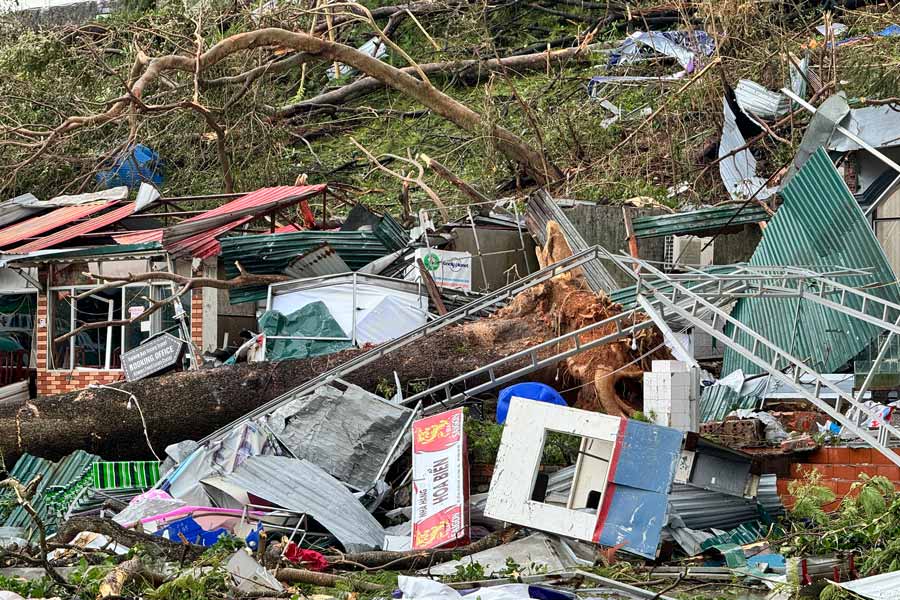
381, 314
312, 320
347, 433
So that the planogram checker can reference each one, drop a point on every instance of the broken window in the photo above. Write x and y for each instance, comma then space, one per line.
17, 321
102, 347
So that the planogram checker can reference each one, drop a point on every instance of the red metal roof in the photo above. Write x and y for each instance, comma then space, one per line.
204, 244
69, 233
32, 228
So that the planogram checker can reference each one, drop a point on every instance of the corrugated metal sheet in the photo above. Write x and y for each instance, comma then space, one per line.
716, 401
885, 586
271, 253
61, 482
627, 296
705, 220
113, 252
704, 509
738, 171
197, 236
877, 125
36, 226
319, 261
303, 487
820, 225
760, 101
70, 233
542, 208
16, 209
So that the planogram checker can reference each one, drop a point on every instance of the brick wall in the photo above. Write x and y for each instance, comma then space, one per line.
197, 317
61, 381
840, 468
58, 381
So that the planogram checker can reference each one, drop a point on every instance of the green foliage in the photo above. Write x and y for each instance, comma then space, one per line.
28, 588
867, 523
483, 440
810, 497
471, 571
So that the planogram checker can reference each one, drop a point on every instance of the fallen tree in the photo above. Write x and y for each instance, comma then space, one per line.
191, 405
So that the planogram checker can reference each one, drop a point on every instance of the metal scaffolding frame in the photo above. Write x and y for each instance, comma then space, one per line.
700, 306
475, 308
690, 307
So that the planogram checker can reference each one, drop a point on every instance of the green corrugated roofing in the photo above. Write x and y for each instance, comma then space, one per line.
717, 401
705, 220
121, 251
61, 481
627, 296
819, 226
270, 253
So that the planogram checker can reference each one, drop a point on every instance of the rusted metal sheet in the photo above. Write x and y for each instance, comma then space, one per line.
70, 233
197, 236
32, 228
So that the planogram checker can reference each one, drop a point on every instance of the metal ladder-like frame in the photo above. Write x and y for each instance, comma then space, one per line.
674, 302
499, 297
472, 382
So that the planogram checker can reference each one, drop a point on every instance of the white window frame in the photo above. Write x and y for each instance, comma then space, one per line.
77, 289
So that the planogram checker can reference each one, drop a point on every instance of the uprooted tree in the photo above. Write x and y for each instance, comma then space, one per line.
192, 404
413, 81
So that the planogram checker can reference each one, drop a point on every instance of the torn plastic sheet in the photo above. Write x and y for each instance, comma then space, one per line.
347, 433
738, 170
422, 588
683, 46
374, 48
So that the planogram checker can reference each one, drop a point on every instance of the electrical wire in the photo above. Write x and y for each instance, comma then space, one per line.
131, 398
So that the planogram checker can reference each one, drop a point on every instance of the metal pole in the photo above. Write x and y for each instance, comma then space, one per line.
878, 360
521, 239
478, 248
353, 322
179, 315
869, 147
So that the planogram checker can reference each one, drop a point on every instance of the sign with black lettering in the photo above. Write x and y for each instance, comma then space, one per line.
153, 356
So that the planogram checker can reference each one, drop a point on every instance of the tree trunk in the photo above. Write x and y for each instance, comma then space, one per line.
183, 406
190, 405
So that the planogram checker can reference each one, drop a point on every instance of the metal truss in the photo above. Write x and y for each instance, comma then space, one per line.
486, 302
689, 306
696, 299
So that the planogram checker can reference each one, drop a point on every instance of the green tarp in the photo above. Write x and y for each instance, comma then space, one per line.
312, 321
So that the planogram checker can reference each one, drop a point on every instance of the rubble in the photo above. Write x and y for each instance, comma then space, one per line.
265, 398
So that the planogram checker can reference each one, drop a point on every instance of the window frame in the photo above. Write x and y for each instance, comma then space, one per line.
155, 321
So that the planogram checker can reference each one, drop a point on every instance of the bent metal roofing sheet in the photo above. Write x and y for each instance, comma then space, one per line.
820, 226
202, 242
36, 226
69, 233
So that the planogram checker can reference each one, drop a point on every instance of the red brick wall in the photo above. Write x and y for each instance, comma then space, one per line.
197, 318
840, 468
61, 381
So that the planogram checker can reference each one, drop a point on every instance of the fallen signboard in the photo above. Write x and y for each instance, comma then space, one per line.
440, 481
153, 356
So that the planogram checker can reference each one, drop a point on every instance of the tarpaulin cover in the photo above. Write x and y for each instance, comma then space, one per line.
312, 320
530, 390
362, 309
133, 167
347, 433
